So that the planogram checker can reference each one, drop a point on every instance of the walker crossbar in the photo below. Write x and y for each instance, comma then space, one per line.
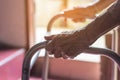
92, 50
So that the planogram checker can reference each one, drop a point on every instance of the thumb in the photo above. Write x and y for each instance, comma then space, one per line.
49, 37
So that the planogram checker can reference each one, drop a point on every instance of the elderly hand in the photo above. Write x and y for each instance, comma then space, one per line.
68, 44
79, 14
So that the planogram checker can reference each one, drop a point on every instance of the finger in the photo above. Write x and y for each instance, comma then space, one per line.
74, 52
49, 47
90, 16
57, 52
51, 52
79, 20
64, 55
57, 55
49, 37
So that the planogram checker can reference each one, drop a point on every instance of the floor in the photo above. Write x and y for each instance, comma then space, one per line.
11, 64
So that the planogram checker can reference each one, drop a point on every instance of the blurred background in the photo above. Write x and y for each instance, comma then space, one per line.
23, 23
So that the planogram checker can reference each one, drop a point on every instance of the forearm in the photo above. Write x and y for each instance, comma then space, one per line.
104, 23
101, 26
102, 4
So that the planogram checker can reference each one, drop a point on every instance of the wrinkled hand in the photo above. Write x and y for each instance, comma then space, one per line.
79, 14
68, 44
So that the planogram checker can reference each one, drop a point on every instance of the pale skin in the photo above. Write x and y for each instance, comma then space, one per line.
70, 44
81, 14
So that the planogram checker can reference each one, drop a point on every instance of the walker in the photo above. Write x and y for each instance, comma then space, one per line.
27, 65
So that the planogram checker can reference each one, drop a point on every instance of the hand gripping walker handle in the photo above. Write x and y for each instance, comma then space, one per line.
27, 60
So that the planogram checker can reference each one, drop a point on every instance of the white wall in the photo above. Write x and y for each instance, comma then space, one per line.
13, 22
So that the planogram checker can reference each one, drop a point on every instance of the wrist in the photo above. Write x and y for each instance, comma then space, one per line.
83, 35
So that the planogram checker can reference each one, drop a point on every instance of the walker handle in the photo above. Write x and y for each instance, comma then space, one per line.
27, 59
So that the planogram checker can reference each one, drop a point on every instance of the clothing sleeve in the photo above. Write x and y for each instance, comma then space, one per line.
104, 23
